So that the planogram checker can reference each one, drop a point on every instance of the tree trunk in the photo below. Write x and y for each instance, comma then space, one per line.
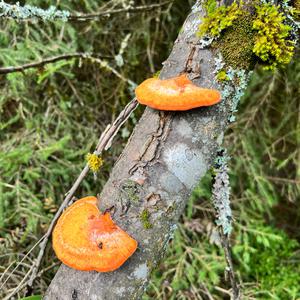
166, 156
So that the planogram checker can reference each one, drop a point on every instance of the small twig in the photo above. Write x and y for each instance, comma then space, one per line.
230, 269
104, 143
284, 180
104, 64
37, 64
222, 290
207, 292
86, 17
20, 262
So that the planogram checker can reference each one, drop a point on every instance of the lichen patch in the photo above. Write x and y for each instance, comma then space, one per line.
188, 169
141, 272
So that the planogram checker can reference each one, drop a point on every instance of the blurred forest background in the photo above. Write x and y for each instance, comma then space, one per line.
51, 117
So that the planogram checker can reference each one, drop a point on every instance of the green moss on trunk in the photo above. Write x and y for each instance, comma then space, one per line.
236, 43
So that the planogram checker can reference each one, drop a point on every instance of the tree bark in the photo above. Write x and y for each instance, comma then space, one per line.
166, 156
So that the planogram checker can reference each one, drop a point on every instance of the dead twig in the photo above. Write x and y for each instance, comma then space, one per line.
230, 269
105, 13
41, 63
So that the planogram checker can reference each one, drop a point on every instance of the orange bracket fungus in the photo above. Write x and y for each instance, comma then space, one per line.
178, 93
87, 240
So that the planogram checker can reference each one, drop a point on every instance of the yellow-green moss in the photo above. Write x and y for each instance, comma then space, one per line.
130, 189
144, 217
236, 43
94, 162
272, 45
218, 18
210, 6
157, 74
222, 76
245, 38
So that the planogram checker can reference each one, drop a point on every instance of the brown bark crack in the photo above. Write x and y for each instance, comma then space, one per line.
152, 148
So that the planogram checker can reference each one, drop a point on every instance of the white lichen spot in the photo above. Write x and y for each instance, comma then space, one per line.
120, 291
187, 169
141, 272
220, 139
170, 183
184, 129
172, 230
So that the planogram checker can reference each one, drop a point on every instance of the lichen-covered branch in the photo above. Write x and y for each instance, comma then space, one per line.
221, 193
18, 12
29, 12
152, 180
221, 202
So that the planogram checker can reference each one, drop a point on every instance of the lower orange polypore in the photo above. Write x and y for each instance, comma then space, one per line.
85, 239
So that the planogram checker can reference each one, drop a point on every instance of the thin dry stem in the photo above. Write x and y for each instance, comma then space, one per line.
104, 13
236, 294
41, 63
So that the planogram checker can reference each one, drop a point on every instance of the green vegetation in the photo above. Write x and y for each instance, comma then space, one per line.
272, 45
218, 19
131, 190
222, 76
145, 215
237, 42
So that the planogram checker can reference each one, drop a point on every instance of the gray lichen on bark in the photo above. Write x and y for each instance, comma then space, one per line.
166, 156
221, 193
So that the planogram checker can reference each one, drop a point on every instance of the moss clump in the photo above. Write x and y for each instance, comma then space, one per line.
244, 38
94, 162
130, 190
210, 6
144, 217
157, 74
272, 45
218, 18
222, 76
237, 42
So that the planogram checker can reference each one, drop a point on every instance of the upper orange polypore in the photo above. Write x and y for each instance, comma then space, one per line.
85, 239
178, 93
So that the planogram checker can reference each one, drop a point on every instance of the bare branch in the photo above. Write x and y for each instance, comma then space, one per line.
37, 64
106, 13
221, 201
230, 269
